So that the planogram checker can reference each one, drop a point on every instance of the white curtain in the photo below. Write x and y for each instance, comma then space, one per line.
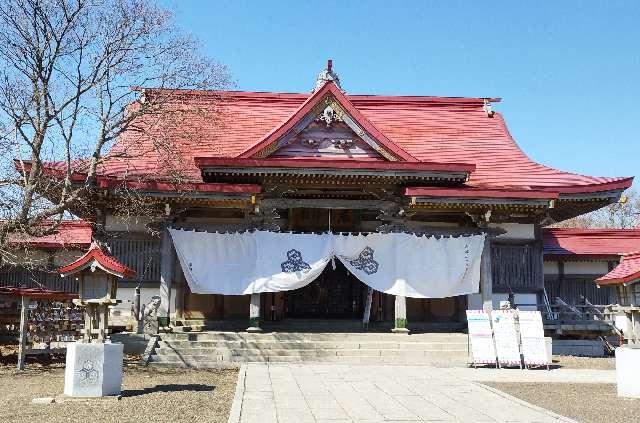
396, 264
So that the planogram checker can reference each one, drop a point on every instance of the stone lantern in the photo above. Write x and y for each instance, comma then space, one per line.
94, 364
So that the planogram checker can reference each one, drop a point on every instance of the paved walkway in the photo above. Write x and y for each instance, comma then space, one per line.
300, 393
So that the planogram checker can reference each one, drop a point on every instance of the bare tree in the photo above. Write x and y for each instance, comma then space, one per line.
69, 77
621, 215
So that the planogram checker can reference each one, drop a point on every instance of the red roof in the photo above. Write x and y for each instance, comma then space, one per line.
627, 271
165, 186
70, 234
306, 107
37, 293
590, 243
96, 256
233, 124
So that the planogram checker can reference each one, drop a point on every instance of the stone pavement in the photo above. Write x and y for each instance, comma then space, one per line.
300, 393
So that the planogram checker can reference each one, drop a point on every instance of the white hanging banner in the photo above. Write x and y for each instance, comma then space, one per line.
288, 262
506, 337
397, 264
248, 263
534, 347
483, 348
412, 266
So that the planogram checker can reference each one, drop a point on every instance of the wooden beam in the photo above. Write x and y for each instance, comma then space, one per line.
321, 203
482, 201
335, 173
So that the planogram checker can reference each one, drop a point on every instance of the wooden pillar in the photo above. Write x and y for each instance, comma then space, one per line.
400, 319
486, 277
24, 320
254, 314
166, 276
180, 293
367, 308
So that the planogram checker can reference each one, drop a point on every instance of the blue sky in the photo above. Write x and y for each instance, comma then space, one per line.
568, 72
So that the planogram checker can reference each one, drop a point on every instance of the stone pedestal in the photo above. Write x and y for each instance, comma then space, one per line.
628, 371
400, 320
254, 314
93, 370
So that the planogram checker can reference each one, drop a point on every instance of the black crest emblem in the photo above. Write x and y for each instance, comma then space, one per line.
294, 262
365, 261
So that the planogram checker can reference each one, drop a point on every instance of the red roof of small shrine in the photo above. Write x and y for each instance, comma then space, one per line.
70, 234
590, 243
95, 256
37, 293
238, 125
627, 271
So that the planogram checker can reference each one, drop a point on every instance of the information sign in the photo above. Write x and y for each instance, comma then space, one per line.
481, 336
506, 337
534, 348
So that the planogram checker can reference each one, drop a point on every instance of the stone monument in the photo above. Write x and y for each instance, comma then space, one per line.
628, 370
94, 363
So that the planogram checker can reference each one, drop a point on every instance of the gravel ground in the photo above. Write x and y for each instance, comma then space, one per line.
587, 403
149, 395
571, 362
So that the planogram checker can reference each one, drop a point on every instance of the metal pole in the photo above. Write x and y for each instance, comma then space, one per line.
24, 317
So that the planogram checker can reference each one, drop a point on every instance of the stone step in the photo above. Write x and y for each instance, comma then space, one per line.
214, 348
261, 345
208, 361
342, 337
192, 352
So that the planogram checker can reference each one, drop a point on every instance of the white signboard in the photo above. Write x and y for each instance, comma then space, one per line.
506, 337
534, 349
481, 335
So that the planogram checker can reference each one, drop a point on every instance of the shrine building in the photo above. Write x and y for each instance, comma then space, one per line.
332, 162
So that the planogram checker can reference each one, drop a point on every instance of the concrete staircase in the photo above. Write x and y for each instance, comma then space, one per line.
215, 349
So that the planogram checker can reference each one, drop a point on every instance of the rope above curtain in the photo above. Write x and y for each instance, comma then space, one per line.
395, 263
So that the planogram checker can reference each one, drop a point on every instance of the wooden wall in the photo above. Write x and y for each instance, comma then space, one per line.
138, 253
17, 276
517, 266
570, 287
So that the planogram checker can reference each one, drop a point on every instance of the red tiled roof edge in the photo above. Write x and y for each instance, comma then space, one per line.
37, 293
105, 261
70, 234
307, 106
596, 243
620, 184
627, 271
153, 185
341, 164
150, 185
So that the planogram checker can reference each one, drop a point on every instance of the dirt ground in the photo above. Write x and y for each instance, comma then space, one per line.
570, 362
149, 395
585, 402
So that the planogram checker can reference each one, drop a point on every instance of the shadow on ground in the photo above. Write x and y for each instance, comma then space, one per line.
190, 387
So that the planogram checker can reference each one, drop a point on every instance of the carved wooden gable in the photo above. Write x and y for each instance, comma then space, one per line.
327, 124
327, 136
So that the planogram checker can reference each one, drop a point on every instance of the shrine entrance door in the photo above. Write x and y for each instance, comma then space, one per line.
334, 294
